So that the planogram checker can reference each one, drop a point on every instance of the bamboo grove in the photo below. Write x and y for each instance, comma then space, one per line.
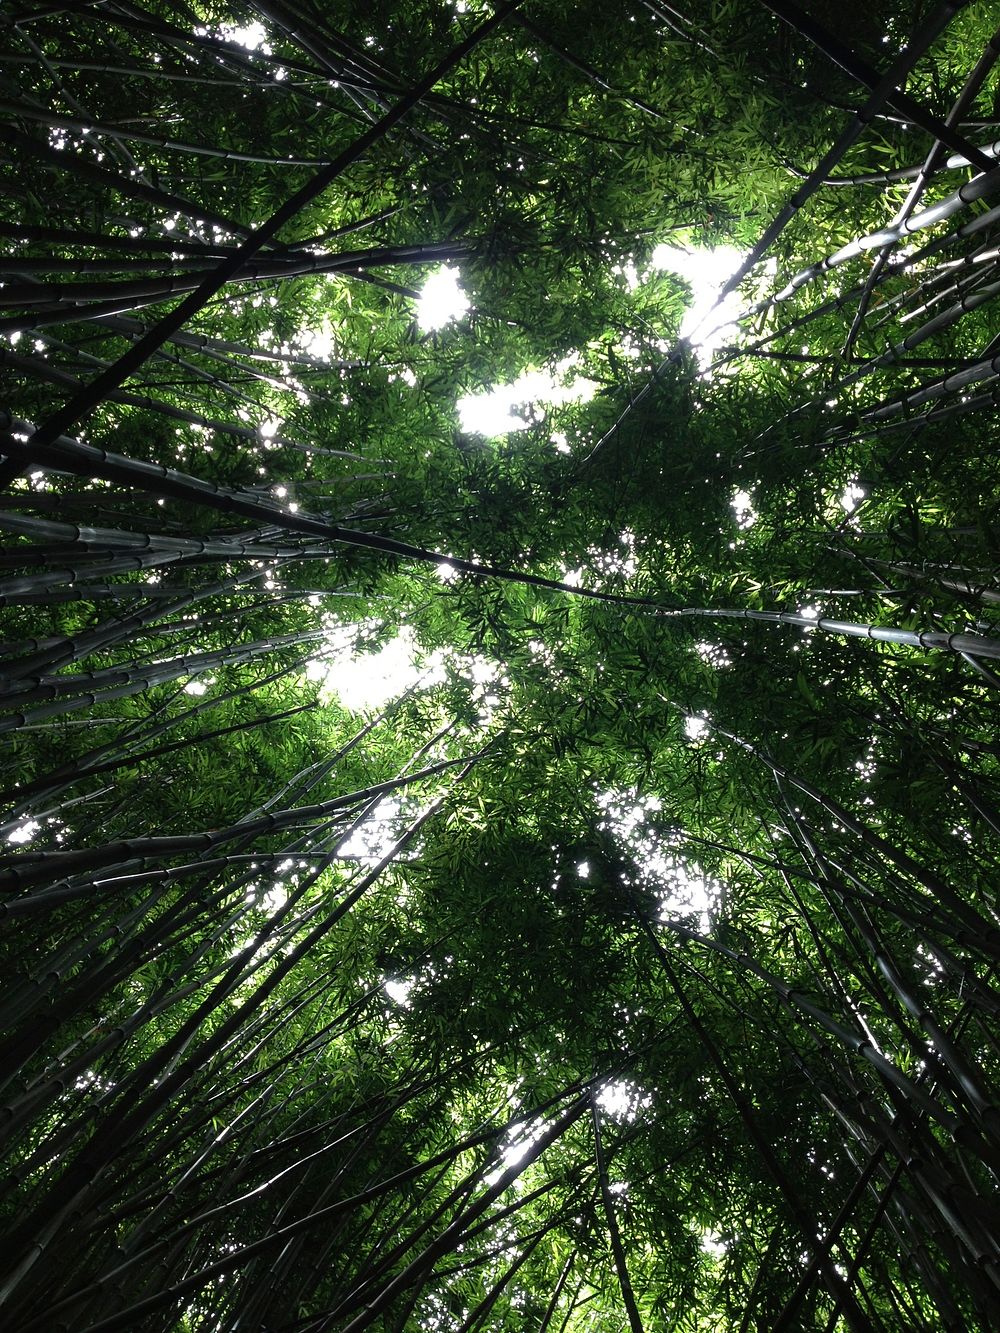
631, 963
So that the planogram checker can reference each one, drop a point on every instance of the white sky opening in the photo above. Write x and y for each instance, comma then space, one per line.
681, 888
442, 300
622, 1101
363, 681
367, 681
687, 893
372, 839
316, 342
712, 1244
932, 967
199, 687
705, 272
695, 727
24, 832
488, 682
252, 35
622, 563
713, 655
399, 991
268, 900
605, 564
520, 1140
743, 511
507, 408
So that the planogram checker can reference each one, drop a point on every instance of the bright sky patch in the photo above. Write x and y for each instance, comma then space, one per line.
621, 1100
317, 342
253, 35
442, 300
363, 681
705, 272
24, 832
695, 727
507, 408
743, 510
682, 890
399, 992
372, 839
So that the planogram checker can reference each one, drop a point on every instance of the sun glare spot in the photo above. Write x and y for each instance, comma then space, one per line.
269, 900
370, 841
714, 1246
520, 1141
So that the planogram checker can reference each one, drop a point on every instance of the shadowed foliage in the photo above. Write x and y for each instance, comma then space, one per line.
528, 866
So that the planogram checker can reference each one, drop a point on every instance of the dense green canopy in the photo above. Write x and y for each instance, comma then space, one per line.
502, 787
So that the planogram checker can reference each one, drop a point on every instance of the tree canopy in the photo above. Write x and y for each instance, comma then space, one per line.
499, 663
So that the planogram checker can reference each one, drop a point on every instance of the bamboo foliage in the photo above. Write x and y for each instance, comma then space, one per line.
635, 961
